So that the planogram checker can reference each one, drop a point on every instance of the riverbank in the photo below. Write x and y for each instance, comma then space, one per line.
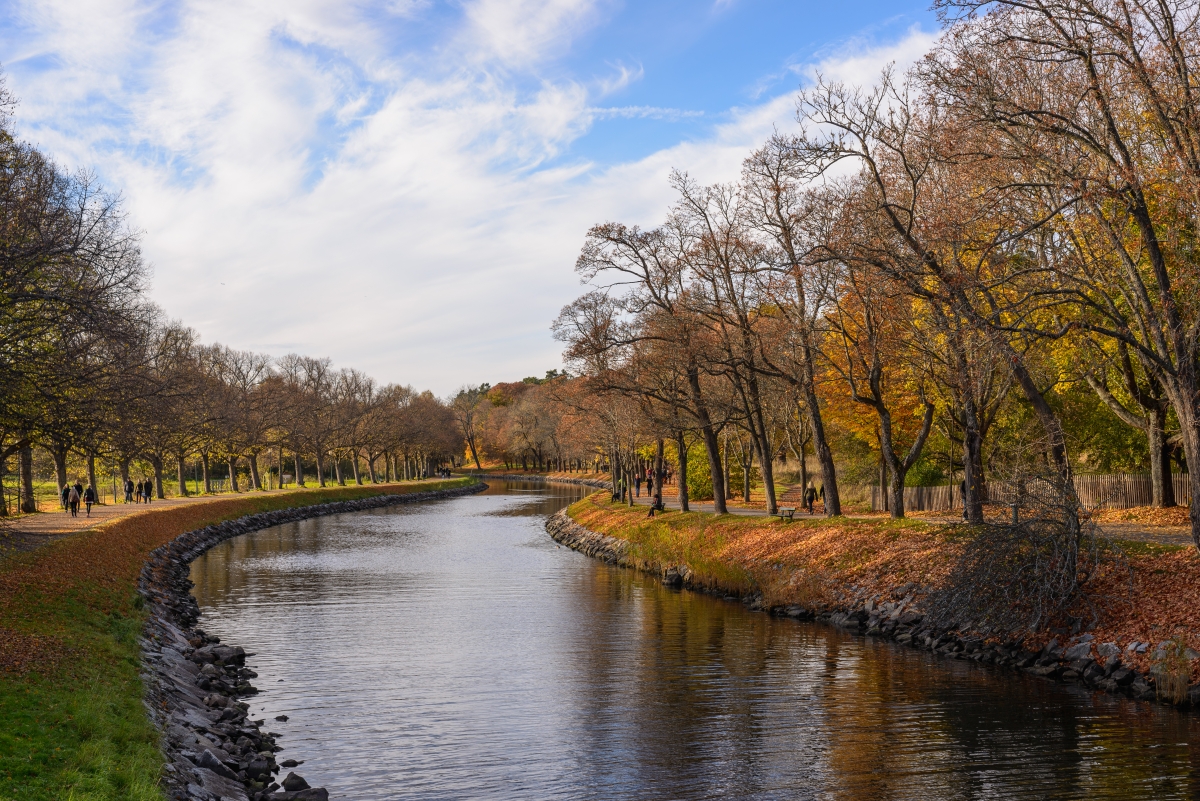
73, 722
872, 576
596, 480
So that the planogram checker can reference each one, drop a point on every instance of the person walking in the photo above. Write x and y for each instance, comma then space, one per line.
129, 490
148, 491
810, 497
73, 501
637, 485
64, 495
89, 497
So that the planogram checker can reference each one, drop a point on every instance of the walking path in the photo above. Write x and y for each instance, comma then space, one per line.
29, 531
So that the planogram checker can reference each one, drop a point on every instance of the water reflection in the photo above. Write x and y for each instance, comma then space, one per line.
452, 650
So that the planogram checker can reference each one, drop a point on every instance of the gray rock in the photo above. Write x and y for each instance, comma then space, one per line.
294, 782
210, 761
1108, 650
1081, 651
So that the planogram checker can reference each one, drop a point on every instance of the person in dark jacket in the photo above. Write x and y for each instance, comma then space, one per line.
64, 495
73, 501
148, 490
89, 497
129, 490
810, 497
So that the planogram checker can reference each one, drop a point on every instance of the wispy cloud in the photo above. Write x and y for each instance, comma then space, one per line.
643, 112
306, 186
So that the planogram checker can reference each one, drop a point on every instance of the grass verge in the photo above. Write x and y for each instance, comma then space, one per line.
72, 723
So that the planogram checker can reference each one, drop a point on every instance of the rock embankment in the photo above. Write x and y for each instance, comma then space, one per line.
214, 750
1105, 667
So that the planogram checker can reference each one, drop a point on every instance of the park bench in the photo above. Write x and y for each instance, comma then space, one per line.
786, 513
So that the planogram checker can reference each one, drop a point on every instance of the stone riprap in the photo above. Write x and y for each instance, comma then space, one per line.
1078, 659
214, 751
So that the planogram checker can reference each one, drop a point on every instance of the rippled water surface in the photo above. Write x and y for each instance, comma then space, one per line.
452, 650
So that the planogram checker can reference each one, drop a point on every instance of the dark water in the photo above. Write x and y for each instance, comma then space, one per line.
453, 651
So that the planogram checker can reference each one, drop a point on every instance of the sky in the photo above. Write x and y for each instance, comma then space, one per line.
404, 185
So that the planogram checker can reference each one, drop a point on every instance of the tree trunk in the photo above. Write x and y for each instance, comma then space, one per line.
59, 453
28, 501
233, 482
1162, 488
354, 466
299, 469
681, 478
204, 468
711, 448
371, 468
157, 463
255, 478
747, 468
812, 408
659, 472
91, 472
972, 467
181, 463
320, 469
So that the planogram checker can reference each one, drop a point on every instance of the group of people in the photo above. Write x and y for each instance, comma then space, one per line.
72, 494
139, 491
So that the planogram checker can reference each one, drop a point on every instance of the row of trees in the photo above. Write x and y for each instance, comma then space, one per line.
89, 369
996, 248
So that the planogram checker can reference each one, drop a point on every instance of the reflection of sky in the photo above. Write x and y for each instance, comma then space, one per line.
447, 155
452, 650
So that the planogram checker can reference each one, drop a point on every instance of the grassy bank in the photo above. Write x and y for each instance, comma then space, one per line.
72, 724
822, 563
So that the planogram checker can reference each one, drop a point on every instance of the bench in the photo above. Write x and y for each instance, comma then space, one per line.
786, 513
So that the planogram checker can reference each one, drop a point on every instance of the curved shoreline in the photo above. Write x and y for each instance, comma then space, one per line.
213, 749
899, 620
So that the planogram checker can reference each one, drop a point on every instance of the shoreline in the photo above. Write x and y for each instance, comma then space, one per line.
1078, 660
584, 482
193, 683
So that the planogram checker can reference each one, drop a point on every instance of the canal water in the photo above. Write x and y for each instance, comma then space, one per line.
452, 650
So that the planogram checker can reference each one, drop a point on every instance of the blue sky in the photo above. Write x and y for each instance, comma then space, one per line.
403, 185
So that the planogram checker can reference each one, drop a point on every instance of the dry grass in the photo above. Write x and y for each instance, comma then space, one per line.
802, 562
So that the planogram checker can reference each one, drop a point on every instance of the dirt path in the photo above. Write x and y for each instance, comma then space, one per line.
29, 531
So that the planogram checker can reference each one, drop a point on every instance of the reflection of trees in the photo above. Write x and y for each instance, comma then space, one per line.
687, 696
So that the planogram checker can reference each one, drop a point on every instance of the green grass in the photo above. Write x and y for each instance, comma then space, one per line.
75, 727
1139, 548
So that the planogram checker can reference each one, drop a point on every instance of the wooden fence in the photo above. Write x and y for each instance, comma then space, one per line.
1096, 491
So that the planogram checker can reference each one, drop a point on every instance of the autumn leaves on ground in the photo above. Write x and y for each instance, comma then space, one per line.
72, 724
812, 562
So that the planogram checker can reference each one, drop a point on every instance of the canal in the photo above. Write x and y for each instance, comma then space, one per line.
452, 650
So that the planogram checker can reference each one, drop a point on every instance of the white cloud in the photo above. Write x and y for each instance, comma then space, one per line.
304, 189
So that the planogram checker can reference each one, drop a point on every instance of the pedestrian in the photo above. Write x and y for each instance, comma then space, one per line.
128, 490
637, 485
73, 501
89, 497
148, 492
810, 497
79, 488
64, 495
